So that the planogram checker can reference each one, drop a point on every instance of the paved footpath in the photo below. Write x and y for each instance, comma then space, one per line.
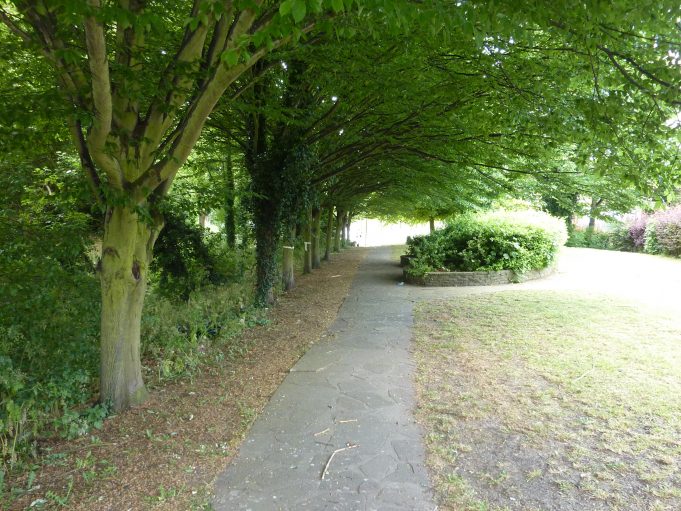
353, 391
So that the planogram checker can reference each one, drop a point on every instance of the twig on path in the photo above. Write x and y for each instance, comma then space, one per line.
321, 432
346, 421
318, 370
347, 447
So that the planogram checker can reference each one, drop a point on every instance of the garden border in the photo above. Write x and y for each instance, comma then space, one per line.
476, 278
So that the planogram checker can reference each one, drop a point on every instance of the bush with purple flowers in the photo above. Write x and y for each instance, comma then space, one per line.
657, 233
663, 234
637, 231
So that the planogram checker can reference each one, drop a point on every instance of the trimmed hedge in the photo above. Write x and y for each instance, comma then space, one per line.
489, 242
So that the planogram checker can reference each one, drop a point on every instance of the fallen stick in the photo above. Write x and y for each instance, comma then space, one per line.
593, 366
346, 448
318, 370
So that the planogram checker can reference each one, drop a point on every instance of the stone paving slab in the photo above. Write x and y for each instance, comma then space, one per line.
353, 388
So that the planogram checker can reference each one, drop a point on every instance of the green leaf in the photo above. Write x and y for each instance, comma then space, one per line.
299, 10
285, 7
230, 57
337, 5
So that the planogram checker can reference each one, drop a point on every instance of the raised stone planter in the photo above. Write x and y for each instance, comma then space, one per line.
476, 278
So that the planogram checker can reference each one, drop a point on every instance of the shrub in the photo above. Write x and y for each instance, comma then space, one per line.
590, 239
637, 231
624, 237
659, 233
650, 243
50, 312
427, 249
49, 306
621, 239
663, 235
486, 242
188, 257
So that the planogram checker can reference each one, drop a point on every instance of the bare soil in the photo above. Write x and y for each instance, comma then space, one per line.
165, 454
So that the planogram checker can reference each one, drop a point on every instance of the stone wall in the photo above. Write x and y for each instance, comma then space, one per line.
476, 278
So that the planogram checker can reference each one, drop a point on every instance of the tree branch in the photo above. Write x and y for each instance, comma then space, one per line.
326, 115
13, 27
101, 94
129, 40
86, 160
189, 129
636, 66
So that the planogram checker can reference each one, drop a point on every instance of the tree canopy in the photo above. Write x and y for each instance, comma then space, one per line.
283, 116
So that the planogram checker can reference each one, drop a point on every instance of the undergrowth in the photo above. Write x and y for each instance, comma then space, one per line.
178, 339
49, 362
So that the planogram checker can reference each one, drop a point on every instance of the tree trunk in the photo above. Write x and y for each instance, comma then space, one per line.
307, 239
316, 235
592, 223
230, 208
593, 213
348, 221
265, 211
287, 272
265, 251
127, 249
329, 235
337, 235
431, 220
343, 224
202, 220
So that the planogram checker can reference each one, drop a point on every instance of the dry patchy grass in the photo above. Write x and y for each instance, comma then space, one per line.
550, 401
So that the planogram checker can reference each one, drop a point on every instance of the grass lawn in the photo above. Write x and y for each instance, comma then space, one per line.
550, 401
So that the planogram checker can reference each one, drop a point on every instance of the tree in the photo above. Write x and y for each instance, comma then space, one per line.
494, 97
142, 79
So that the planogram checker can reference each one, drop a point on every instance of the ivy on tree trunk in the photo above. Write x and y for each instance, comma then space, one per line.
230, 202
329, 234
340, 214
307, 240
316, 235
